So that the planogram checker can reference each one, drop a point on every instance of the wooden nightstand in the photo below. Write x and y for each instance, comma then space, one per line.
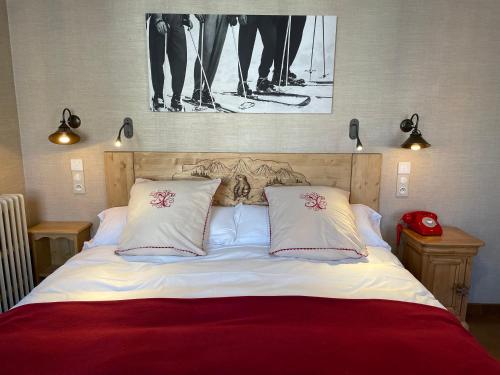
43, 237
443, 264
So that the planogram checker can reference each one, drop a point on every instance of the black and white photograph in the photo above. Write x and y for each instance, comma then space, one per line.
240, 63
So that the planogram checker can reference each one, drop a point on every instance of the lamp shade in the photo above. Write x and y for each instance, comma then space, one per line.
415, 142
64, 136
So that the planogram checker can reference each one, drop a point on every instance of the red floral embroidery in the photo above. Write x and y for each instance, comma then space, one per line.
314, 201
162, 199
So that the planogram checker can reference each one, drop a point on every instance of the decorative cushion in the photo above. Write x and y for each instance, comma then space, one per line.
167, 217
313, 222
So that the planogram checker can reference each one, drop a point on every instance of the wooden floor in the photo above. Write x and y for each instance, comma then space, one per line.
485, 326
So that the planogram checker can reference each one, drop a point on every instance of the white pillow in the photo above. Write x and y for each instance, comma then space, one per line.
368, 223
222, 228
112, 223
167, 217
252, 225
314, 222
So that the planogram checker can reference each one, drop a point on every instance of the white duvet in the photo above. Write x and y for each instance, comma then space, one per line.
98, 274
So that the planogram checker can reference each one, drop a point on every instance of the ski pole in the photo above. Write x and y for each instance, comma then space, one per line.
324, 59
312, 49
288, 49
202, 25
246, 104
202, 69
283, 57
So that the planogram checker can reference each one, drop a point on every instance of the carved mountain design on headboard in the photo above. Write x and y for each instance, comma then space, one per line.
245, 175
243, 179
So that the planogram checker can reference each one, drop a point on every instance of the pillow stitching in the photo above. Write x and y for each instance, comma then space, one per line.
155, 247
206, 220
319, 248
269, 220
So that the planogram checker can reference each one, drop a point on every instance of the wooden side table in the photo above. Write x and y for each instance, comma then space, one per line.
41, 236
443, 264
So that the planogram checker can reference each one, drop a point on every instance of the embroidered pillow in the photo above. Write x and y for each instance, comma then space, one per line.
167, 217
313, 222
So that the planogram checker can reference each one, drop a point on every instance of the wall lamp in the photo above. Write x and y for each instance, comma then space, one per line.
64, 135
415, 141
354, 133
128, 131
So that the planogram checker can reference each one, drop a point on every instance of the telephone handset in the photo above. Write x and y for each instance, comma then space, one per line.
422, 222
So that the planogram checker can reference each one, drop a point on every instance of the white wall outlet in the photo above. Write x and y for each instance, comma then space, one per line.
78, 182
403, 185
404, 167
78, 176
76, 164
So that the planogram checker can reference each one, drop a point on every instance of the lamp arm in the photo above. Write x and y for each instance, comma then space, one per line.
63, 121
120, 132
415, 127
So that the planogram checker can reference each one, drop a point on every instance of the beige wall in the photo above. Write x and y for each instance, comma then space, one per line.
11, 163
394, 57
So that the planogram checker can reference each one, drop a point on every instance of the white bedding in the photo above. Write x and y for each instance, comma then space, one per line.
98, 274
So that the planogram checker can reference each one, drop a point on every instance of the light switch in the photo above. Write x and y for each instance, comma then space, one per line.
404, 167
76, 164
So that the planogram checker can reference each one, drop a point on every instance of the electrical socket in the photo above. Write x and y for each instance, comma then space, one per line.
403, 186
78, 182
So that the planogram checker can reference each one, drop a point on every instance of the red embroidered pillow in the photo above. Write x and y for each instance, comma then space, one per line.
314, 222
167, 217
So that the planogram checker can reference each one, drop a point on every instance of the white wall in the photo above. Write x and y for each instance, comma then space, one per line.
393, 58
11, 162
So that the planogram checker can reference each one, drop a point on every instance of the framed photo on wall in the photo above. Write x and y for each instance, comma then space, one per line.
240, 63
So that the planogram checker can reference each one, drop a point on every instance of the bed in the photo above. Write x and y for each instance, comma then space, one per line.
237, 309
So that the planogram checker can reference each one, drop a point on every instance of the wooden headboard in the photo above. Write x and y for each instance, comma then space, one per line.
357, 173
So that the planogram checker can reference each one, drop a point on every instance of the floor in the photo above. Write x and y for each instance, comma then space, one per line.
485, 327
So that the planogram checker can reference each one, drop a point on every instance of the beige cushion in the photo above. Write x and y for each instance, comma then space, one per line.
167, 217
313, 222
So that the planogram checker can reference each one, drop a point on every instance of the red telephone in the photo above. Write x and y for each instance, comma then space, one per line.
422, 222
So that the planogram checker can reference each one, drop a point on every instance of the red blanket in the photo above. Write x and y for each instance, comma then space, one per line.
240, 335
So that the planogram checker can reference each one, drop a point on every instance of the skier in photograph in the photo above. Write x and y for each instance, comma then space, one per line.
168, 29
285, 55
246, 41
212, 35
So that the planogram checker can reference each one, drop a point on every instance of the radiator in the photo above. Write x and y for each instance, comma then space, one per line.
16, 277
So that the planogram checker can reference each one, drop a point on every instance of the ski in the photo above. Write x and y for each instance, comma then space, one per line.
320, 83
218, 107
306, 101
257, 97
307, 84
